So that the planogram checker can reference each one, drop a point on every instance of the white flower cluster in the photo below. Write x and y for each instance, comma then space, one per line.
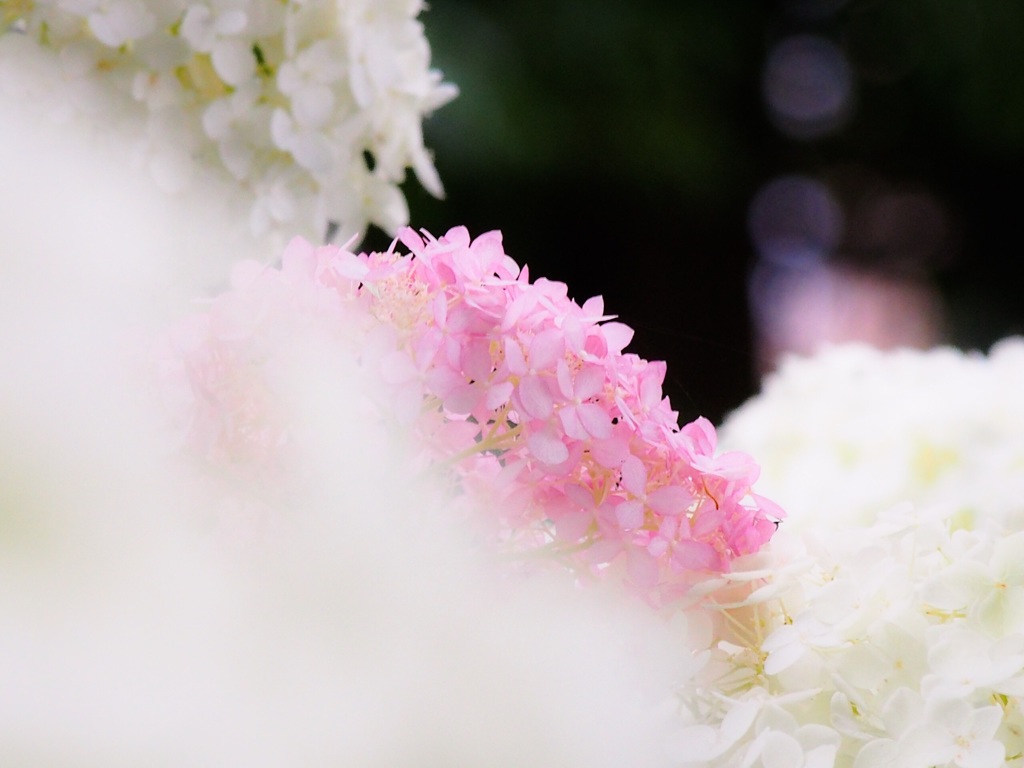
852, 431
313, 107
887, 628
899, 644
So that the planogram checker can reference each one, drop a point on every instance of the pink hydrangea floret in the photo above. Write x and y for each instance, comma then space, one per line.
522, 397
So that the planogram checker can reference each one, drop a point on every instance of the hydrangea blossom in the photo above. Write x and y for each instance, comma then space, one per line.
866, 429
887, 626
523, 398
313, 108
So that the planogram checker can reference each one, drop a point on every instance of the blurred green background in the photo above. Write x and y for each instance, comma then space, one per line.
619, 144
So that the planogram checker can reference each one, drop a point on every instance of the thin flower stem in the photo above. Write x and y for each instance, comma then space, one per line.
487, 444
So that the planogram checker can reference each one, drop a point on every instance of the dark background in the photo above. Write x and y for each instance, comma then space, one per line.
618, 145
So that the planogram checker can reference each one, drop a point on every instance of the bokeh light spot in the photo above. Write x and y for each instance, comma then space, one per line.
808, 86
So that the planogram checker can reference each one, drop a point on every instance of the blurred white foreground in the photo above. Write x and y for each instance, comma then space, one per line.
354, 628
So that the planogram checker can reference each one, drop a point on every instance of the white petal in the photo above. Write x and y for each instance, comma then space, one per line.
234, 61
122, 23
782, 658
312, 105
696, 744
237, 157
282, 129
984, 754
231, 22
781, 750
217, 119
882, 753
197, 28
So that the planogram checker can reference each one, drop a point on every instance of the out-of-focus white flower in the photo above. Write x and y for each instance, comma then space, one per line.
319, 103
853, 431
139, 625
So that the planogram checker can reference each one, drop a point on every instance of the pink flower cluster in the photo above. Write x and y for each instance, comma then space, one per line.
522, 397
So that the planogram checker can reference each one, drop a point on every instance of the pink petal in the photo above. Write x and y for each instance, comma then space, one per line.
595, 420
411, 240
509, 473
536, 397
670, 500
458, 236
603, 551
439, 309
641, 568
630, 514
702, 433
547, 447
242, 275
463, 399
693, 555
650, 384
734, 465
498, 395
658, 546
571, 423
514, 357
610, 452
634, 476
424, 348
573, 525
593, 307
617, 336
519, 307
706, 521
476, 359
589, 382
546, 348
565, 382
441, 381
669, 528
348, 265
768, 507
575, 336
299, 257
488, 247
454, 436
